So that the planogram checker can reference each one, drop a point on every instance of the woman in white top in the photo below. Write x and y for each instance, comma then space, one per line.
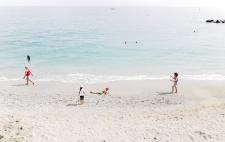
82, 94
174, 80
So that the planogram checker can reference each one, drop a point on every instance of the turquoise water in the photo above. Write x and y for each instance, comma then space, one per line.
78, 44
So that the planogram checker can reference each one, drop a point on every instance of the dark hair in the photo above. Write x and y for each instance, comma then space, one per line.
176, 74
80, 89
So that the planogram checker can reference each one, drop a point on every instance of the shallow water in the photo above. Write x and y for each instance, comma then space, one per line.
87, 44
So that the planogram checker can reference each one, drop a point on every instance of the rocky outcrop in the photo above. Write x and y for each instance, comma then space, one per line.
209, 21
215, 21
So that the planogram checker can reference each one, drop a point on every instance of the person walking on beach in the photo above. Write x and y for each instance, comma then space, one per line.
174, 79
27, 75
82, 94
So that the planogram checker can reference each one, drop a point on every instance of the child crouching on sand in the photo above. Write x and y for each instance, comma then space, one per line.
174, 79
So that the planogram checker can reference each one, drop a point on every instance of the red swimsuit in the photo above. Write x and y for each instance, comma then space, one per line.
28, 73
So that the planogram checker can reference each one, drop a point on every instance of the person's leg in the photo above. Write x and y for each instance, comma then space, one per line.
98, 93
172, 89
27, 80
175, 89
31, 81
81, 100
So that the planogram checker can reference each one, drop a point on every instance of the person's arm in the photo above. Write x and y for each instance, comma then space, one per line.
172, 78
84, 92
106, 92
175, 79
79, 93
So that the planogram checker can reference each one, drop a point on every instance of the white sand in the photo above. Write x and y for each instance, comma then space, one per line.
135, 111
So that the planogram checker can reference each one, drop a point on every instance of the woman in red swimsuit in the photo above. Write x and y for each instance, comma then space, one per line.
27, 75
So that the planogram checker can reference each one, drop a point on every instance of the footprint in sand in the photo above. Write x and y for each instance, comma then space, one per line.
204, 135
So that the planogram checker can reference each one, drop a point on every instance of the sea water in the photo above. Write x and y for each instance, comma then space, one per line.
100, 44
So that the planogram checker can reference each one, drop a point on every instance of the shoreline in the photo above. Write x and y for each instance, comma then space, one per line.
190, 90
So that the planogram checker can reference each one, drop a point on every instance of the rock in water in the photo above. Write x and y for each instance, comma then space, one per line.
217, 21
209, 21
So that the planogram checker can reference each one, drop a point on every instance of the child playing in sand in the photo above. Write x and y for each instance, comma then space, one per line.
27, 75
174, 80
82, 94
104, 92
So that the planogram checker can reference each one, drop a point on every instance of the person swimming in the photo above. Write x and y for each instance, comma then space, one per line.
27, 75
174, 79
28, 58
104, 92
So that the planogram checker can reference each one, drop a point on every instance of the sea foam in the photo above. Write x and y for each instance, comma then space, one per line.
92, 78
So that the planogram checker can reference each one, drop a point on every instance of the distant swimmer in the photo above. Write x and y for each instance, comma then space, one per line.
28, 58
174, 79
27, 75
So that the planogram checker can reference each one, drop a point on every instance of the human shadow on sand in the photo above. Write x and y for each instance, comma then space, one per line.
163, 93
72, 105
18, 85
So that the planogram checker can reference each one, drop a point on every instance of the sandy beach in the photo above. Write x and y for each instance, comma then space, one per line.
138, 49
138, 111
